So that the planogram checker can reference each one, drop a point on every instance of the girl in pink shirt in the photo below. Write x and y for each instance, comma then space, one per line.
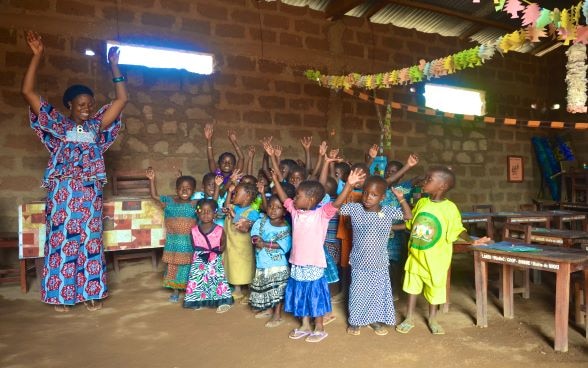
307, 291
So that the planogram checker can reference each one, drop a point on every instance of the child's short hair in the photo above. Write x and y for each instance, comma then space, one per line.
312, 188
361, 166
249, 179
331, 187
399, 165
208, 202
227, 154
289, 189
250, 189
183, 178
207, 177
288, 162
445, 174
299, 169
345, 169
274, 197
376, 180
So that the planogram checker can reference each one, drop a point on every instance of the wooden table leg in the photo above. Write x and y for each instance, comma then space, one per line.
507, 291
586, 302
562, 303
490, 229
445, 308
481, 277
23, 275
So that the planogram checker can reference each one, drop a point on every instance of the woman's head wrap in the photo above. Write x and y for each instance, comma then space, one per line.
74, 91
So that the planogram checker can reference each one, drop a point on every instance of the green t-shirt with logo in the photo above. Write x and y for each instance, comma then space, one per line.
433, 229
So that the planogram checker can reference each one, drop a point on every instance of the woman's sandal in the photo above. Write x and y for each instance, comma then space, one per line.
378, 329
274, 323
223, 308
92, 305
62, 308
316, 336
436, 328
296, 334
405, 327
353, 330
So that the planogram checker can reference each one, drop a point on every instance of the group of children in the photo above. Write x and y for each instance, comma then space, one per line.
284, 238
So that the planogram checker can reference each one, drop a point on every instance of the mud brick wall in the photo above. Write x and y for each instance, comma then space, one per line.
258, 89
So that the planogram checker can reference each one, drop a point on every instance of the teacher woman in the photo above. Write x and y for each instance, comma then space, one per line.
74, 269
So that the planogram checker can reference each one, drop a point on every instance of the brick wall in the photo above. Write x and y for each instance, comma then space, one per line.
261, 51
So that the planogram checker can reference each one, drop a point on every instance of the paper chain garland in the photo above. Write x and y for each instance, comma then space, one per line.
562, 24
476, 118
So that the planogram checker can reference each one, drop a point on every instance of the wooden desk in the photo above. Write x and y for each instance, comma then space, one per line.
565, 216
479, 218
459, 246
561, 261
560, 238
525, 217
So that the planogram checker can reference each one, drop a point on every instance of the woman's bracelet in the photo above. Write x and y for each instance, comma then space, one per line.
119, 79
402, 200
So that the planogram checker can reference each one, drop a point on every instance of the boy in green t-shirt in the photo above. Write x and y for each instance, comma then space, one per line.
435, 225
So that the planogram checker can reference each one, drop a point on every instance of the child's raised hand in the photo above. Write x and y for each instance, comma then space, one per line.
260, 187
412, 160
373, 151
274, 174
306, 142
218, 180
150, 173
278, 151
334, 153
236, 175
232, 136
267, 146
355, 177
251, 151
231, 188
35, 42
208, 131
481, 241
113, 55
323, 148
398, 193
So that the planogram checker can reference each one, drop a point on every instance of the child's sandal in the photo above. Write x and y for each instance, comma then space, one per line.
353, 330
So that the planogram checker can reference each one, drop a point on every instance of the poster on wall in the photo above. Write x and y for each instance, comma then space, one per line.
515, 172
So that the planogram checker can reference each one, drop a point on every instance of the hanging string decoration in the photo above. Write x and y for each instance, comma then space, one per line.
576, 78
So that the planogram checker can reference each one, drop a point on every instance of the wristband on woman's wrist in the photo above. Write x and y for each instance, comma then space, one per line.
119, 79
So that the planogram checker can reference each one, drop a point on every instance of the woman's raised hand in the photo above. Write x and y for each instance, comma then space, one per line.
113, 55
35, 42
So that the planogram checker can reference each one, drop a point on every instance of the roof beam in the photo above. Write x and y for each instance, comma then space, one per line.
453, 13
376, 7
337, 9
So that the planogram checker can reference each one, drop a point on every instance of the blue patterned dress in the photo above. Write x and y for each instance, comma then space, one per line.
74, 270
180, 218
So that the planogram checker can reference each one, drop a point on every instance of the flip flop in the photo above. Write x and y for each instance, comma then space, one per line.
244, 300
92, 305
316, 336
353, 330
378, 329
405, 327
61, 308
223, 308
174, 298
263, 314
274, 323
436, 328
296, 334
327, 320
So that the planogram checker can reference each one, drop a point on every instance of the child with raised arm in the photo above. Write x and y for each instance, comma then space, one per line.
179, 212
307, 293
238, 256
207, 285
271, 236
211, 190
226, 161
370, 294
435, 225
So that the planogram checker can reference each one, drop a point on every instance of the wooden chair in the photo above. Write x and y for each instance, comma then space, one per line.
517, 233
483, 208
579, 187
132, 184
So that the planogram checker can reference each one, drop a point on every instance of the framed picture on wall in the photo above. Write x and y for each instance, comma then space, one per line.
515, 171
